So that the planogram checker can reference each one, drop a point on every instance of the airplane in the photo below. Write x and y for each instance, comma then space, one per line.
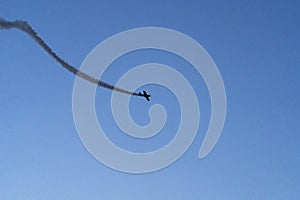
147, 96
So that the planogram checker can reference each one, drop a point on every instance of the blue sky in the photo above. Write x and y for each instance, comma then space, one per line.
255, 45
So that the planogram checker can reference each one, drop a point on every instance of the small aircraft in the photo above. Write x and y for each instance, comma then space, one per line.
147, 96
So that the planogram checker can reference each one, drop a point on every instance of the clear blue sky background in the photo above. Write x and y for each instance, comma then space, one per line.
256, 46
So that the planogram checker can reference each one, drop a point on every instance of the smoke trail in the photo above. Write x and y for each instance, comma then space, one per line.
25, 27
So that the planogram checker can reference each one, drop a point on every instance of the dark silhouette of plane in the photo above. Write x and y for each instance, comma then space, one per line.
147, 96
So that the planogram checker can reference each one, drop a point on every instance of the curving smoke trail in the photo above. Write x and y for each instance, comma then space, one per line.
25, 27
